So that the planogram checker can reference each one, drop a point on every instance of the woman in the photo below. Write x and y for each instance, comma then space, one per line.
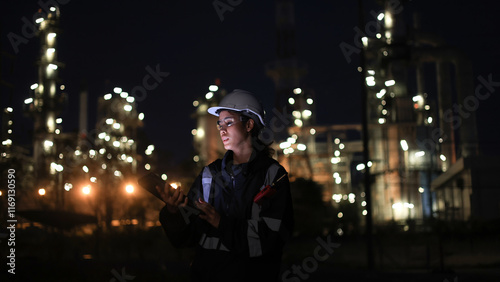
239, 235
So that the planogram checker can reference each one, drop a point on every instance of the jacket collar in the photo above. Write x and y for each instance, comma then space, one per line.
227, 161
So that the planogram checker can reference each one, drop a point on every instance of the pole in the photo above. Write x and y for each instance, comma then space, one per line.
366, 155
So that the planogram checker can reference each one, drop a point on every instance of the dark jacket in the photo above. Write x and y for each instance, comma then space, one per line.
248, 244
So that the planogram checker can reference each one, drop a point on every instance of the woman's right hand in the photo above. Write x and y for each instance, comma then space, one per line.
173, 200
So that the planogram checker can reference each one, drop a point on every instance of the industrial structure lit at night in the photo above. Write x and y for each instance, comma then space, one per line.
411, 139
206, 137
45, 104
421, 165
79, 174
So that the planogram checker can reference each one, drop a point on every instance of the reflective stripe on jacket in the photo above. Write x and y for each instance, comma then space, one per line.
249, 235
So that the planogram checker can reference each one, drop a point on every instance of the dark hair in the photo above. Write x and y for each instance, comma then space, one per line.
257, 142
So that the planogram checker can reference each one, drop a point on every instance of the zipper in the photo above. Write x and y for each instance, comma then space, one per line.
233, 181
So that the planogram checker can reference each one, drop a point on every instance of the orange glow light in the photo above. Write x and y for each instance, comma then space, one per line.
129, 188
86, 190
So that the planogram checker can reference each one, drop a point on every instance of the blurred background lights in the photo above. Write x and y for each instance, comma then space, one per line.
337, 197
48, 143
352, 198
390, 82
335, 160
284, 145
86, 190
360, 167
364, 40
129, 188
68, 186
338, 180
340, 232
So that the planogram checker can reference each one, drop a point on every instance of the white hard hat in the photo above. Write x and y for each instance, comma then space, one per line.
240, 101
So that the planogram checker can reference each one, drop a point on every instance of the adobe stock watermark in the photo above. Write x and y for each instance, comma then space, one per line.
310, 264
140, 92
29, 29
11, 221
371, 29
458, 112
123, 277
225, 6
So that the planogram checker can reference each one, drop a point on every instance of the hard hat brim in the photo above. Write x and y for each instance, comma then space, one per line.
215, 111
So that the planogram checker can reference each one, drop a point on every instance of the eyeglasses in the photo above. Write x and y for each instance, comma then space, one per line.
227, 122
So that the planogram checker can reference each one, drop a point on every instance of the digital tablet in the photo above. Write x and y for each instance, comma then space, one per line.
151, 180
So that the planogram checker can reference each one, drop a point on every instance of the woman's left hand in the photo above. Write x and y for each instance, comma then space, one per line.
211, 215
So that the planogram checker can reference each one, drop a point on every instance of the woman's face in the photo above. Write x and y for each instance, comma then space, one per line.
234, 133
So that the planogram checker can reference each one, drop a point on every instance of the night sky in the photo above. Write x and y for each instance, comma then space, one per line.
110, 43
